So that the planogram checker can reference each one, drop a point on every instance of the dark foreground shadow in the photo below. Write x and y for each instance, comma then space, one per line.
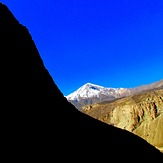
39, 124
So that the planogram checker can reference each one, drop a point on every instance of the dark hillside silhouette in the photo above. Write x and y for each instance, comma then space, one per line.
39, 124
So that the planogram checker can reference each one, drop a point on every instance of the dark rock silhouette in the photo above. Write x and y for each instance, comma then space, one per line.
39, 124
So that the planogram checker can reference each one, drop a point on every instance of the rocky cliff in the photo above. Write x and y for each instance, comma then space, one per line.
141, 114
37, 121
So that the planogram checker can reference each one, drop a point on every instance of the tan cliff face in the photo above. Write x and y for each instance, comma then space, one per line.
141, 114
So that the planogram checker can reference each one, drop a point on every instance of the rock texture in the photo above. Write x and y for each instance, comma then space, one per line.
141, 114
37, 121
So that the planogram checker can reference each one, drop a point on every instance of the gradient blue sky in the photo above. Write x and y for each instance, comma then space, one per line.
112, 43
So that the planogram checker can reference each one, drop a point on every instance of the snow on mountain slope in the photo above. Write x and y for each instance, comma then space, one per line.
91, 93
90, 90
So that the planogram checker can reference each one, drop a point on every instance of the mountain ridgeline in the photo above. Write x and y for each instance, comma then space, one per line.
92, 93
138, 110
37, 121
141, 114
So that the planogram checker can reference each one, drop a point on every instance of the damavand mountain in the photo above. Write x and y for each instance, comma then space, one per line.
37, 121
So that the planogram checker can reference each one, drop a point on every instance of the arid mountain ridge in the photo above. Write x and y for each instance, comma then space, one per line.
91, 93
141, 114
37, 121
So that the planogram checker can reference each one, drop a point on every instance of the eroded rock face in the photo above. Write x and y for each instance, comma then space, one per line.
141, 114
38, 123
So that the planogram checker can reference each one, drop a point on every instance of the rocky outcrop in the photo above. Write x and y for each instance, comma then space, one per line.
37, 121
141, 114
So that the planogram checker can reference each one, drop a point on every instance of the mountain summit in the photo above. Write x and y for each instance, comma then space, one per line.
90, 90
92, 93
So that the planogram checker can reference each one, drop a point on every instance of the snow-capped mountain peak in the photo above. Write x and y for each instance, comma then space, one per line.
90, 90
91, 93
86, 91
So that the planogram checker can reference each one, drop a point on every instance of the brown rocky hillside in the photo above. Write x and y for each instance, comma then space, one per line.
141, 114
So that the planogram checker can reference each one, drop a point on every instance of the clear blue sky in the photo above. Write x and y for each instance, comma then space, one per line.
112, 43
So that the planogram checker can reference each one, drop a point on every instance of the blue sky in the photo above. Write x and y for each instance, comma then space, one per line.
112, 43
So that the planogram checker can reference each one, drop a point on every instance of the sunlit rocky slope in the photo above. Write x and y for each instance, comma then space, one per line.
141, 114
